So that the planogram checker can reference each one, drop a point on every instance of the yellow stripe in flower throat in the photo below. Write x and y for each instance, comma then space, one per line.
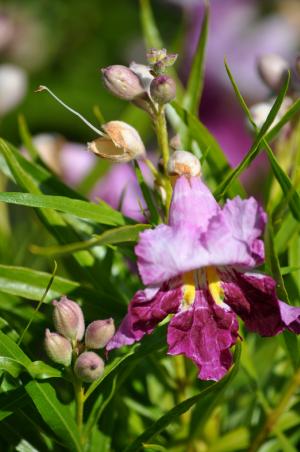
214, 285
189, 290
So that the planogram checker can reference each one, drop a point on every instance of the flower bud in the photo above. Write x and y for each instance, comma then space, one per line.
163, 89
68, 319
272, 69
58, 348
99, 333
122, 143
89, 367
183, 163
122, 82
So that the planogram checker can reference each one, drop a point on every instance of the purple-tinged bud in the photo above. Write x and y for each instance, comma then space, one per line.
122, 143
163, 89
68, 319
122, 82
99, 333
58, 348
89, 367
183, 163
272, 69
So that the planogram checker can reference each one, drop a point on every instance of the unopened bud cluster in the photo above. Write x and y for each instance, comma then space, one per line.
66, 346
143, 84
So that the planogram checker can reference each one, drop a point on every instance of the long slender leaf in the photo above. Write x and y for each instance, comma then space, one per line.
154, 215
192, 97
255, 148
101, 213
112, 236
9, 349
212, 392
56, 415
30, 284
289, 191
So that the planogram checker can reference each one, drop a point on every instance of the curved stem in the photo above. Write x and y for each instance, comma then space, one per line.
275, 414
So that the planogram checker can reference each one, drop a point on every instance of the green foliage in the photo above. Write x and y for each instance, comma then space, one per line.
144, 400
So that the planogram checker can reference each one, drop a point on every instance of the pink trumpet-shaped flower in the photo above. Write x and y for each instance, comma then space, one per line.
198, 268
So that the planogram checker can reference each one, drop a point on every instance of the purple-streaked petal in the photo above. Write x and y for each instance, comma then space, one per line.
192, 204
146, 310
204, 333
253, 297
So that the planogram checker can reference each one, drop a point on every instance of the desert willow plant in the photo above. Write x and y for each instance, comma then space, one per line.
198, 266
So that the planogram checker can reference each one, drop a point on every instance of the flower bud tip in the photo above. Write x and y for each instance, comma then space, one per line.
89, 367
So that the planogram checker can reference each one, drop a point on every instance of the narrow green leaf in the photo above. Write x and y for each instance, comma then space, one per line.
56, 415
102, 213
26, 138
288, 270
31, 284
192, 97
42, 371
289, 191
10, 365
124, 234
216, 158
9, 349
255, 148
273, 132
273, 265
41, 301
151, 34
291, 195
31, 178
289, 227
212, 392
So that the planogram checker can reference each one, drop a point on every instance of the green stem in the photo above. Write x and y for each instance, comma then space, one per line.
163, 142
162, 136
274, 415
79, 399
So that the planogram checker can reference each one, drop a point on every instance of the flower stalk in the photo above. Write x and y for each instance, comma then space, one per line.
79, 400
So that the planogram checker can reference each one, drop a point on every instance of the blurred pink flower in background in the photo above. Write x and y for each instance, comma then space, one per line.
239, 31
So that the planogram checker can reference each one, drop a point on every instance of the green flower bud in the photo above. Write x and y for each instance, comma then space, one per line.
99, 333
68, 319
163, 89
122, 82
58, 348
89, 367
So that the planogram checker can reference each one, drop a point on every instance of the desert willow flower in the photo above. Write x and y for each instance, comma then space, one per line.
198, 268
118, 142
